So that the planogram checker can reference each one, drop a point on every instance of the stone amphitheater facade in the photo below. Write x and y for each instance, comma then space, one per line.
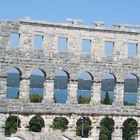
73, 61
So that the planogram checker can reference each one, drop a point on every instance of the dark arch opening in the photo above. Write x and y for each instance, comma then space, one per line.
106, 129
11, 125
85, 83
83, 127
36, 124
13, 83
37, 79
61, 80
107, 88
130, 129
60, 123
131, 83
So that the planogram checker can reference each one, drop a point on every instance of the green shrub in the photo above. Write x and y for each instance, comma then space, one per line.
60, 123
36, 124
84, 99
11, 125
36, 98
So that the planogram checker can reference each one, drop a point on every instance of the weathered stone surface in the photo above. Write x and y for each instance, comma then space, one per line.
48, 58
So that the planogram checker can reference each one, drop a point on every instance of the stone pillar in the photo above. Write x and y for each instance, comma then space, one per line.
95, 131
48, 91
119, 94
72, 92
95, 97
24, 123
3, 118
24, 89
118, 125
71, 131
138, 97
3, 86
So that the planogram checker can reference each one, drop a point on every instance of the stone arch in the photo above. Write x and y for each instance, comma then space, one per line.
12, 124
61, 79
106, 128
83, 127
130, 129
37, 79
131, 82
107, 88
36, 124
13, 82
84, 89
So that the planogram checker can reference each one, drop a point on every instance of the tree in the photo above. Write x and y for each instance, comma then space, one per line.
36, 98
36, 124
129, 129
83, 124
106, 129
84, 99
107, 100
60, 123
11, 125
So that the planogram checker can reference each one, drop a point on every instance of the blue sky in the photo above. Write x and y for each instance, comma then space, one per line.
109, 11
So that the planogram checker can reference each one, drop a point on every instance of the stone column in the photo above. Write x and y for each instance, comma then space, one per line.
119, 94
3, 86
48, 91
95, 131
138, 97
118, 126
24, 89
95, 97
71, 131
72, 92
3, 118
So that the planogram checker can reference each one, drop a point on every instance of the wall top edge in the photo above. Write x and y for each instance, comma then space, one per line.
125, 28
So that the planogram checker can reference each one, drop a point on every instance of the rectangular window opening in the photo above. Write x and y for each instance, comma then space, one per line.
109, 48
132, 49
62, 44
14, 40
86, 45
38, 41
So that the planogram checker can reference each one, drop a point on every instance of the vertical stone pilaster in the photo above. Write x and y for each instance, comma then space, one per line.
3, 86
138, 97
48, 91
24, 89
95, 98
119, 94
72, 92
118, 126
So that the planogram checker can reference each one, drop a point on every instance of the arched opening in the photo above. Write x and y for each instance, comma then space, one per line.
60, 123
83, 127
106, 129
11, 125
36, 124
107, 89
13, 82
130, 89
130, 129
60, 86
37, 79
85, 81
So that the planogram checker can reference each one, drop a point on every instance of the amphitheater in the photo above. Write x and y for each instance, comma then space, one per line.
49, 59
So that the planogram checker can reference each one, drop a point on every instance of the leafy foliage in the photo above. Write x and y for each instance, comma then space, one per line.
84, 99
83, 127
60, 123
129, 129
11, 125
36, 98
36, 124
106, 129
107, 100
